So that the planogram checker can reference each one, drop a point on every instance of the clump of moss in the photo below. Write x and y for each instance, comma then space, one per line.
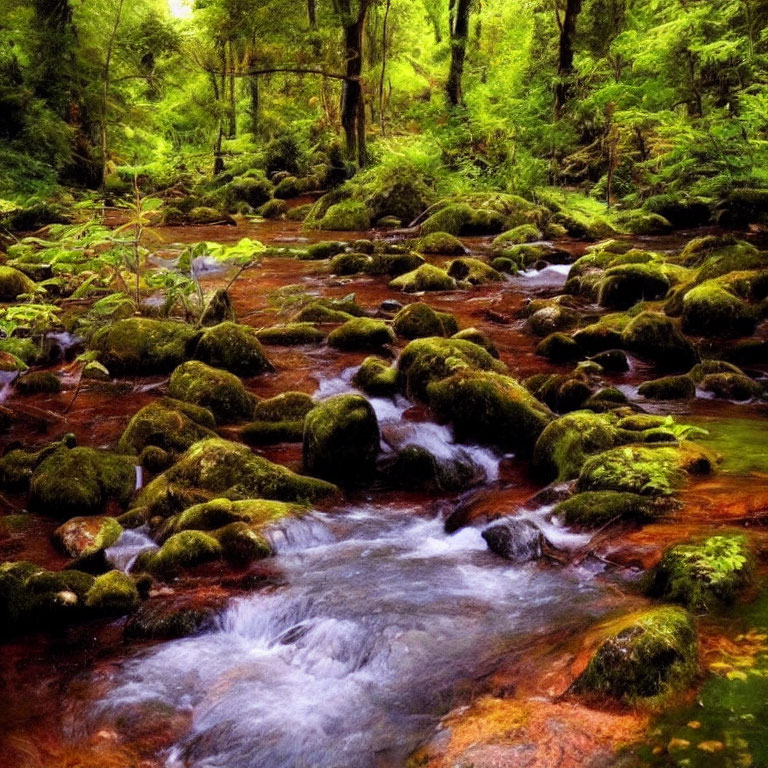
41, 382
182, 550
477, 337
319, 313
653, 336
489, 408
346, 216
172, 425
566, 443
668, 388
235, 348
524, 233
394, 263
595, 509
342, 440
642, 223
711, 310
643, 657
14, 283
441, 243
81, 481
350, 263
473, 271
219, 391
613, 360
113, 594
286, 406
218, 513
731, 386
291, 335
419, 320
704, 575
424, 278
141, 345
362, 333
376, 378
324, 250
707, 367
424, 361
559, 348
273, 209
624, 285
560, 392
552, 318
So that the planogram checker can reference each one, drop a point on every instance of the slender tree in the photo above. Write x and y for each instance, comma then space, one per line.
459, 11
565, 69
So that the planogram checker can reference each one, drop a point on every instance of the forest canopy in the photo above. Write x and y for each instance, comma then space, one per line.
624, 100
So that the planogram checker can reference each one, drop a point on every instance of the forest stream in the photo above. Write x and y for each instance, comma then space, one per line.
383, 631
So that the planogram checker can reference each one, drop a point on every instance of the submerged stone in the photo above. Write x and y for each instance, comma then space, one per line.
515, 540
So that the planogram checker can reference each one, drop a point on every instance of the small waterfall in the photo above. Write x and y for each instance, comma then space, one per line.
132, 542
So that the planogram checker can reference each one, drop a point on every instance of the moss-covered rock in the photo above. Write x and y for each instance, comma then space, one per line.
707, 367
218, 309
560, 392
291, 335
424, 278
440, 243
361, 333
668, 388
642, 223
320, 313
273, 209
565, 445
489, 408
180, 551
703, 575
477, 337
419, 320
14, 283
325, 249
235, 348
84, 537
17, 466
113, 594
552, 318
279, 419
172, 425
217, 468
425, 361
141, 345
394, 264
647, 470
221, 392
288, 405
342, 440
731, 386
346, 216
376, 378
80, 481
599, 337
624, 285
643, 657
612, 360
39, 382
452, 219
595, 509
473, 271
710, 309
524, 233
272, 432
559, 348
655, 337
350, 263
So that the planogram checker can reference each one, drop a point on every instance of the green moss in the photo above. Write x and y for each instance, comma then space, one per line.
81, 481
707, 367
113, 593
419, 320
623, 286
219, 391
477, 337
324, 250
451, 219
394, 264
525, 233
505, 265
13, 283
286, 406
288, 187
552, 318
561, 392
649, 471
272, 432
203, 214
643, 657
182, 550
17, 466
346, 216
25, 349
599, 337
595, 509
489, 408
273, 209
441, 243
711, 310
361, 333
39, 382
376, 378
257, 513
640, 223
425, 361
559, 348
728, 257
654, 336
473, 271
613, 360
217, 468
565, 445
83, 537
341, 440
350, 263
319, 313
142, 346
168, 424
424, 278
731, 386
234, 348
668, 388
240, 544
290, 335
702, 576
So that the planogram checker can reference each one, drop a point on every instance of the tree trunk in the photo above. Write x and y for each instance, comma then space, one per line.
565, 55
253, 92
218, 159
459, 18
383, 66
312, 13
352, 105
105, 93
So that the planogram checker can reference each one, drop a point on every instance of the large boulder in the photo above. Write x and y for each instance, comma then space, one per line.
643, 657
81, 481
710, 309
140, 345
424, 278
86, 537
595, 509
624, 285
654, 336
515, 540
279, 419
234, 348
489, 408
668, 388
219, 391
362, 333
113, 594
419, 320
376, 378
342, 440
182, 550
